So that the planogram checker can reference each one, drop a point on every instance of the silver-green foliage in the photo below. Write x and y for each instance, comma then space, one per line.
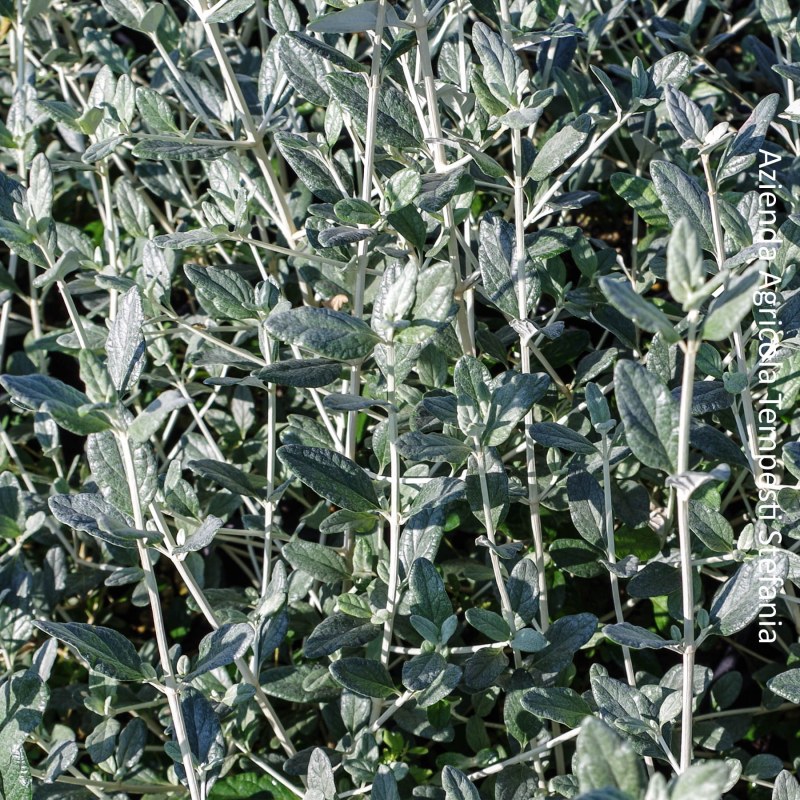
389, 397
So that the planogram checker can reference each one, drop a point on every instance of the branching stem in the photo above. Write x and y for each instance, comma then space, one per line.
151, 584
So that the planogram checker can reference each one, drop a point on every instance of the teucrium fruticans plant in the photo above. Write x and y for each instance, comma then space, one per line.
399, 400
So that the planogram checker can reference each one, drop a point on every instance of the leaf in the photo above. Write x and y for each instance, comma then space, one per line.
304, 68
301, 372
331, 475
106, 461
203, 733
501, 65
682, 196
483, 668
67, 406
309, 167
324, 331
641, 197
232, 478
320, 773
338, 631
559, 704
561, 146
786, 685
102, 741
422, 670
495, 493
603, 760
739, 600
438, 491
587, 506
133, 211
62, 757
250, 785
107, 652
439, 189
496, 256
421, 536
222, 647
713, 530
229, 11
343, 235
512, 398
433, 304
523, 590
777, 14
384, 785
489, 624
649, 414
309, 683
128, 14
199, 237
397, 124
356, 212
457, 786
634, 636
728, 309
686, 116
11, 191
786, 787
356, 19
395, 298
202, 536
432, 447
528, 641
552, 434
92, 514
222, 292
708, 779
363, 676
674, 69
408, 222
320, 562
742, 151
441, 687
403, 187
635, 307
566, 636
125, 346
176, 150
428, 596
684, 262
40, 187
152, 417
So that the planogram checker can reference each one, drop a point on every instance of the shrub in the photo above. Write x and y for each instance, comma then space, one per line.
400, 400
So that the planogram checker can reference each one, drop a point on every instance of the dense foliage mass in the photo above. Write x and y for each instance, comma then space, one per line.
399, 399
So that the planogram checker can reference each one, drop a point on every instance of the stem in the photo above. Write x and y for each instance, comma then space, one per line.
111, 235
208, 612
519, 278
112, 786
235, 91
577, 164
738, 339
170, 684
390, 711
440, 163
394, 508
526, 755
269, 506
362, 252
685, 541
505, 600
612, 554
